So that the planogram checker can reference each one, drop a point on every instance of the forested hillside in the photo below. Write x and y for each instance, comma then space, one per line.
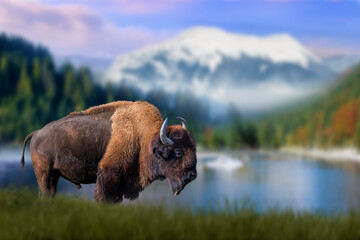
34, 92
330, 120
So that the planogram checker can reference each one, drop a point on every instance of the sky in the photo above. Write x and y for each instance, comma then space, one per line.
105, 29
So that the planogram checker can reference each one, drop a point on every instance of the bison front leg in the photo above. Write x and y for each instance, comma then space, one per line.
107, 186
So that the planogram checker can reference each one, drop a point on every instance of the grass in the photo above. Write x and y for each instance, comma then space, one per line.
24, 216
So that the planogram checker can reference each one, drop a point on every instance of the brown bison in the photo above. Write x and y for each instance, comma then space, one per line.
121, 146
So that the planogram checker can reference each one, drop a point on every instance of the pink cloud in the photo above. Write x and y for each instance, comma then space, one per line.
127, 6
72, 29
291, 0
146, 6
325, 47
263, 0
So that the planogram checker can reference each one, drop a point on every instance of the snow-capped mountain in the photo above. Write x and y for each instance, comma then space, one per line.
225, 67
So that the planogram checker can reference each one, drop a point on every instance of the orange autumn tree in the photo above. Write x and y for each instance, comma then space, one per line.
345, 121
302, 135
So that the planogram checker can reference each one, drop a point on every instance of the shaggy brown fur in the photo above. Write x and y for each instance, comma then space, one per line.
116, 145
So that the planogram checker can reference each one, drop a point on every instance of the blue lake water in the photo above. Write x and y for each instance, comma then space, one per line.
264, 180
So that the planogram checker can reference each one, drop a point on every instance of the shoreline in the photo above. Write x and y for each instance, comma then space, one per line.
333, 154
13, 153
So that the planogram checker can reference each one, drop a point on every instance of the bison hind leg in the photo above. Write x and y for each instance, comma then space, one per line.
78, 186
54, 178
46, 177
42, 171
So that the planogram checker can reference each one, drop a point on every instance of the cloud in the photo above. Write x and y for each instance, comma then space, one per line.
72, 29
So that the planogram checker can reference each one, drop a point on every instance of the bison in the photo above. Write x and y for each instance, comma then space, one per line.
121, 146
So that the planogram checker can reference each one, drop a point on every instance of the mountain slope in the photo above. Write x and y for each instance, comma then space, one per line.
224, 66
340, 63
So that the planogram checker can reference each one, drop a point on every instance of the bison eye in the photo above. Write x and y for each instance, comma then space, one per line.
178, 153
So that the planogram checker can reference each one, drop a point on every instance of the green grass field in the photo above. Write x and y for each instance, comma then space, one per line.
24, 216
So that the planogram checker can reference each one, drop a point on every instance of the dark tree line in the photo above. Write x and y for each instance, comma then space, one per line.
34, 92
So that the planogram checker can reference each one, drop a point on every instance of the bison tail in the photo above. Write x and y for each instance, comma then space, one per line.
22, 157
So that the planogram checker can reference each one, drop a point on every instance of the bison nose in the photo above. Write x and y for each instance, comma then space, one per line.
192, 175
189, 177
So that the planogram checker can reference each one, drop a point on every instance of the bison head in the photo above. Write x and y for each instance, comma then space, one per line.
175, 151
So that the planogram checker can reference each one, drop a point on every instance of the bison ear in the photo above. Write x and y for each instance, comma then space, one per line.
156, 153
159, 150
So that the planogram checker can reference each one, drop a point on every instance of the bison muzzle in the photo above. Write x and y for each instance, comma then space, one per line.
121, 146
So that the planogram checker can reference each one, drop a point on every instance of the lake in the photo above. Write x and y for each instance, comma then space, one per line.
266, 180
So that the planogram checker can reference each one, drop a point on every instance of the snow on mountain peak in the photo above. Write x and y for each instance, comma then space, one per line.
216, 63
208, 46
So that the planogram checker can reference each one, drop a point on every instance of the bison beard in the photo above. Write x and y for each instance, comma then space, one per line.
108, 187
121, 146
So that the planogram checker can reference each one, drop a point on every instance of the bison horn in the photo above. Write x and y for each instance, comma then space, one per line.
184, 123
164, 139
